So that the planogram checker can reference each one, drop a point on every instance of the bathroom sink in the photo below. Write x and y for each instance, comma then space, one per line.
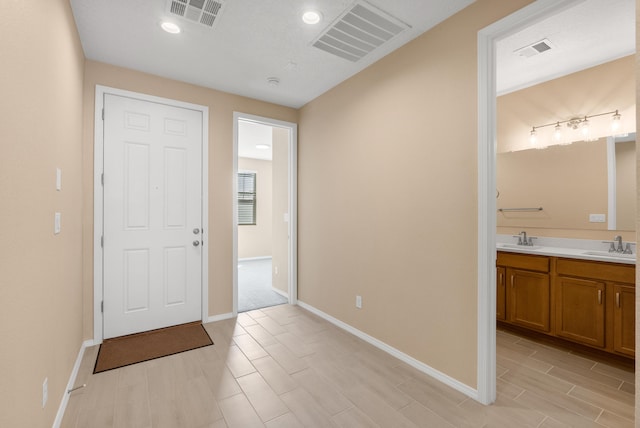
608, 254
520, 247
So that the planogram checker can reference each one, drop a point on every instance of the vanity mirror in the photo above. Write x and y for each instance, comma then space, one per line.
585, 185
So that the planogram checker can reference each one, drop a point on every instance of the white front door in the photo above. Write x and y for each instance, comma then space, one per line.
152, 256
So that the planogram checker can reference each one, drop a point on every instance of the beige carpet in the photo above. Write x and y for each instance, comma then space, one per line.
136, 348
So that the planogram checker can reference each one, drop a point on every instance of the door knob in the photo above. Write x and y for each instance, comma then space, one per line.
196, 243
196, 231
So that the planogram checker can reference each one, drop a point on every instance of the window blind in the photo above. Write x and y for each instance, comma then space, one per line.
246, 198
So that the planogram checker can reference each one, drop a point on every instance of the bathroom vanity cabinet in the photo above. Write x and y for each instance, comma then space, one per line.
527, 290
587, 302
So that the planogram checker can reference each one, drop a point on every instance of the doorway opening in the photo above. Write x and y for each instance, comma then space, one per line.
488, 40
264, 211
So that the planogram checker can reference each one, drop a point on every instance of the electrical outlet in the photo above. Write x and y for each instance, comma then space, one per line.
45, 392
597, 218
359, 302
276, 269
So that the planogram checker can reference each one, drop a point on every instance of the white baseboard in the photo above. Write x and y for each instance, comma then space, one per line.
424, 368
71, 383
221, 317
248, 259
280, 292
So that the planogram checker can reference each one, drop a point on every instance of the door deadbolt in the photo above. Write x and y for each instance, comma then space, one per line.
196, 231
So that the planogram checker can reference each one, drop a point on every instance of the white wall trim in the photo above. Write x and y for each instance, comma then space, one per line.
280, 292
221, 317
248, 259
71, 384
424, 368
487, 141
611, 183
293, 202
98, 167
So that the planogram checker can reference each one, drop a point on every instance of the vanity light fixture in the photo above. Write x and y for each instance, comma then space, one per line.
263, 146
170, 27
577, 123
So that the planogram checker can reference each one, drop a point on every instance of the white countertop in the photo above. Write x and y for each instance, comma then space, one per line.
571, 248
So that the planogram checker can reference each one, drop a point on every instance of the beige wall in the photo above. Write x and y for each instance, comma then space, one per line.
280, 261
40, 273
221, 107
255, 240
388, 196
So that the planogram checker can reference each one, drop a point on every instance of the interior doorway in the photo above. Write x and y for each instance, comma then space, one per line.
487, 137
264, 262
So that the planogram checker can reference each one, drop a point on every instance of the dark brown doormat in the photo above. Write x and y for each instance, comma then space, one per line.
136, 348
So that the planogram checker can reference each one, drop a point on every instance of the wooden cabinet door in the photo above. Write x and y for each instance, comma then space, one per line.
501, 302
580, 310
528, 299
624, 320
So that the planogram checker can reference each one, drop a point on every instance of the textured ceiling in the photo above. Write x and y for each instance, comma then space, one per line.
590, 33
251, 41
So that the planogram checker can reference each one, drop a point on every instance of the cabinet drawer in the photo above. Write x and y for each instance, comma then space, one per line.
522, 261
597, 270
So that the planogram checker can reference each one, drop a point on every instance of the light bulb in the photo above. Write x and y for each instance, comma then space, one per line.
533, 137
616, 123
557, 133
584, 128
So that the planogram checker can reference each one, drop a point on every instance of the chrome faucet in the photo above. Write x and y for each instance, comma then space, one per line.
618, 239
522, 238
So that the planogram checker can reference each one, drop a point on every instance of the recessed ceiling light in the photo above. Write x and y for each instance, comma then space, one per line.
263, 146
170, 27
311, 17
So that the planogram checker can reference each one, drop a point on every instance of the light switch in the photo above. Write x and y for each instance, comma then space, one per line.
58, 179
56, 223
286, 217
597, 218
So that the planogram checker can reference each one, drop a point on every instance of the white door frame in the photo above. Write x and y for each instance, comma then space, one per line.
487, 141
293, 202
98, 205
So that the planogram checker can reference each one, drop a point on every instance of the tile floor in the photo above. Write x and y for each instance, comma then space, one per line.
284, 367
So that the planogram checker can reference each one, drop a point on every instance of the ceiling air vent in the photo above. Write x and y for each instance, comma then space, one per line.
359, 31
534, 49
205, 12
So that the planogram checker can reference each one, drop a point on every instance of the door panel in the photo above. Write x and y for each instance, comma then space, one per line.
152, 215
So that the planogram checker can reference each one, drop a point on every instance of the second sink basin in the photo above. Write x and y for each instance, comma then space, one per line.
608, 254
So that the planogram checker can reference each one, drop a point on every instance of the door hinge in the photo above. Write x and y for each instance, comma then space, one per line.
102, 114
102, 306
102, 241
102, 178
